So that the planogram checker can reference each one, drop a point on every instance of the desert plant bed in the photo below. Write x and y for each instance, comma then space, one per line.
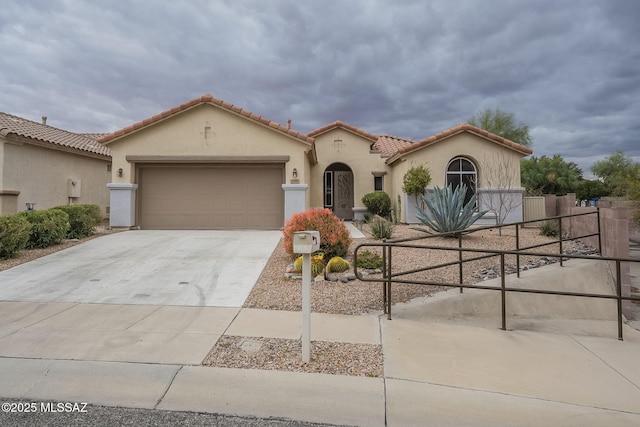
275, 292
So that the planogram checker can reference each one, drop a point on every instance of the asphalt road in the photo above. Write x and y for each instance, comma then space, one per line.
114, 416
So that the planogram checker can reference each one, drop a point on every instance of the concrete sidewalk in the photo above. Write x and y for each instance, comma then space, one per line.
435, 372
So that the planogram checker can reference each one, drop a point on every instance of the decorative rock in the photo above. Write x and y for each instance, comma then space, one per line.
494, 272
332, 277
343, 279
350, 276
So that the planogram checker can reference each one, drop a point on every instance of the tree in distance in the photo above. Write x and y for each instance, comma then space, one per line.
503, 124
549, 175
618, 173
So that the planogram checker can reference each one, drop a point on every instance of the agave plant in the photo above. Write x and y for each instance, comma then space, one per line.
446, 211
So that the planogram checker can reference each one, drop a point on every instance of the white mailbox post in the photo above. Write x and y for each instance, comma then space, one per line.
305, 243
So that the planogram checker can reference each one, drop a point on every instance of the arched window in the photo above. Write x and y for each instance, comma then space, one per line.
459, 171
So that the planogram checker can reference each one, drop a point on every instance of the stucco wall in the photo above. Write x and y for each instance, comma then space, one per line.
353, 151
496, 165
228, 134
41, 175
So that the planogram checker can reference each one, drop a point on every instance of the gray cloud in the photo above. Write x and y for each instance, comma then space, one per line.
409, 68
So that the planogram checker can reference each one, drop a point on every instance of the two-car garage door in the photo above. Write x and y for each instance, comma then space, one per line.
211, 196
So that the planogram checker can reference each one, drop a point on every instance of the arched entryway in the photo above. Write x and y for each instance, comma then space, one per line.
338, 190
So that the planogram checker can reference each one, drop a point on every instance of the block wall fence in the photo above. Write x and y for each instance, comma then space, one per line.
614, 227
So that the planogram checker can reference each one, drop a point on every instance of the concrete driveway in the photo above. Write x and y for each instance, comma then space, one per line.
189, 268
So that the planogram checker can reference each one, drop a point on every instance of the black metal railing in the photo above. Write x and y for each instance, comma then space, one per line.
390, 277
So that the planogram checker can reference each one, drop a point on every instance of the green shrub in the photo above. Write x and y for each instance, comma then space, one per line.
334, 235
380, 228
48, 227
415, 181
378, 203
369, 260
367, 217
337, 265
317, 264
549, 229
83, 219
14, 235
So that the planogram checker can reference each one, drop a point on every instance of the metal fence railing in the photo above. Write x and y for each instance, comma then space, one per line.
389, 276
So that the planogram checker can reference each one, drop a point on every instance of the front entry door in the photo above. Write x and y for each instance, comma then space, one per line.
343, 196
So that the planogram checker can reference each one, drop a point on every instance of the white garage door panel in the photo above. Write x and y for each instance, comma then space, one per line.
211, 197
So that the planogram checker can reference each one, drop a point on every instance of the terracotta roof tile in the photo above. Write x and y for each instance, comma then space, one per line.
462, 127
94, 135
343, 125
85, 142
208, 99
388, 145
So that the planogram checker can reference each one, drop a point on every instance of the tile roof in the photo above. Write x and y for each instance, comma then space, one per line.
462, 127
347, 126
94, 135
388, 145
204, 99
15, 125
393, 146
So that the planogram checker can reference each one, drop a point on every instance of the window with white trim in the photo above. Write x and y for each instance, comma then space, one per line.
462, 171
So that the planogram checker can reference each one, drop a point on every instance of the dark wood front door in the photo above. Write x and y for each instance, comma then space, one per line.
343, 196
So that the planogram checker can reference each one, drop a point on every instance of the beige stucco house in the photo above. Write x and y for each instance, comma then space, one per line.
208, 164
42, 167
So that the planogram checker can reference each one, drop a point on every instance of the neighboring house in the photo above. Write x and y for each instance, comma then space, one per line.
207, 164
42, 167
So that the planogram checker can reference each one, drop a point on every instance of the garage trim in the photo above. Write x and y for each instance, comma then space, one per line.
207, 159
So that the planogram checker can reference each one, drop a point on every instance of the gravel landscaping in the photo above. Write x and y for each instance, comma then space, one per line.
275, 292
364, 360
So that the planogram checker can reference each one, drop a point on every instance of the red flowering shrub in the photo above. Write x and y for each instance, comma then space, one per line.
334, 236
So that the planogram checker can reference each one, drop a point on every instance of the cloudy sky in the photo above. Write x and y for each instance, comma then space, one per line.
570, 69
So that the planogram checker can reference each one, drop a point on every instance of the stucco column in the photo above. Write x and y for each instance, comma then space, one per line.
295, 199
122, 204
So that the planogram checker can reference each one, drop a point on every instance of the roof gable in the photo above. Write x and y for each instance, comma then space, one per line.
463, 127
50, 136
204, 99
345, 126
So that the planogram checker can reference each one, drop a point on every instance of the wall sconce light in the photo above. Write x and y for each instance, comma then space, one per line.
294, 173
120, 172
